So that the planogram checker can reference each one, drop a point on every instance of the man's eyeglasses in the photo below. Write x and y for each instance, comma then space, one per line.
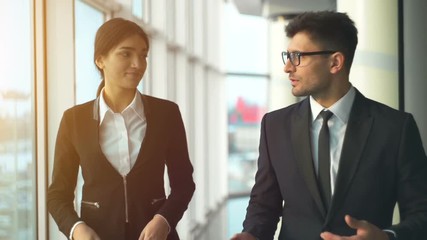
295, 57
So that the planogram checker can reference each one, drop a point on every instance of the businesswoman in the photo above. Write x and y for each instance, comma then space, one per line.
122, 140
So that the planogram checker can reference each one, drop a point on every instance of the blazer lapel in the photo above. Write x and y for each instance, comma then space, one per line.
358, 129
302, 147
149, 119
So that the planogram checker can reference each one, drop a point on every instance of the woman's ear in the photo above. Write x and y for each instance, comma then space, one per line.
337, 62
99, 63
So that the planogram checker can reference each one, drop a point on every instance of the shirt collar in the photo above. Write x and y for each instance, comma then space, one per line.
341, 109
136, 105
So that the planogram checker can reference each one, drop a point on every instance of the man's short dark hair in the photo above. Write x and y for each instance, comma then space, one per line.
332, 30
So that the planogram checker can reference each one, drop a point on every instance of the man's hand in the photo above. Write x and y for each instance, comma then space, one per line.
156, 229
84, 232
243, 236
365, 231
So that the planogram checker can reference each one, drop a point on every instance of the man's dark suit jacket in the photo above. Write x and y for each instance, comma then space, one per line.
382, 162
78, 144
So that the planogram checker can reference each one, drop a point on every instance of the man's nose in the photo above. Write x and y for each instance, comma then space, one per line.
289, 67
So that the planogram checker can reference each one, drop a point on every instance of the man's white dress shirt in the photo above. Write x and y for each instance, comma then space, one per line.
337, 127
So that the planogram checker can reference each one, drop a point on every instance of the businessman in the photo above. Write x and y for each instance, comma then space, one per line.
334, 165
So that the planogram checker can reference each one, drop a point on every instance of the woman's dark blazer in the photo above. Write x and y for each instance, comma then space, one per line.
382, 162
164, 144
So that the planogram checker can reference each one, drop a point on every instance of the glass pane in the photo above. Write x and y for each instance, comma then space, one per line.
236, 205
246, 42
17, 138
246, 61
138, 7
87, 21
171, 75
170, 19
246, 107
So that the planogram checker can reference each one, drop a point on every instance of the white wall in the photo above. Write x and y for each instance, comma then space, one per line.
375, 66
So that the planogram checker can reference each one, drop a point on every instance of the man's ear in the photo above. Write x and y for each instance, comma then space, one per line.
337, 62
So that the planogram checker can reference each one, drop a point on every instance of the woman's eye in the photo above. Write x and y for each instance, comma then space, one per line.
125, 54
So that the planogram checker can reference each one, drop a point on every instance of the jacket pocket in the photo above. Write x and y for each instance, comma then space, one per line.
154, 201
90, 204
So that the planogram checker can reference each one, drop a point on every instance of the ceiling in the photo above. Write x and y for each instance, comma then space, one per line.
286, 8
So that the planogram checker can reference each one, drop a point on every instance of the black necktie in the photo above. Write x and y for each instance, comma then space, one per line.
324, 160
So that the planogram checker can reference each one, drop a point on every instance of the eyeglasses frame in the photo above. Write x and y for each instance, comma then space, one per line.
299, 54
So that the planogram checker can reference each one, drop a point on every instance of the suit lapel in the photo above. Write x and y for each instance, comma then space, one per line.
95, 129
358, 129
149, 119
302, 147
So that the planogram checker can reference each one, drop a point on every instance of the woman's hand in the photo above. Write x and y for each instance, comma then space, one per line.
156, 229
84, 232
243, 236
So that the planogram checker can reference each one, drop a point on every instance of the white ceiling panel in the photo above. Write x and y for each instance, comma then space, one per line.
273, 8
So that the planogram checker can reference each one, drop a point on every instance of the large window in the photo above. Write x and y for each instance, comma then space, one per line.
87, 22
246, 58
139, 9
17, 128
247, 81
246, 107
